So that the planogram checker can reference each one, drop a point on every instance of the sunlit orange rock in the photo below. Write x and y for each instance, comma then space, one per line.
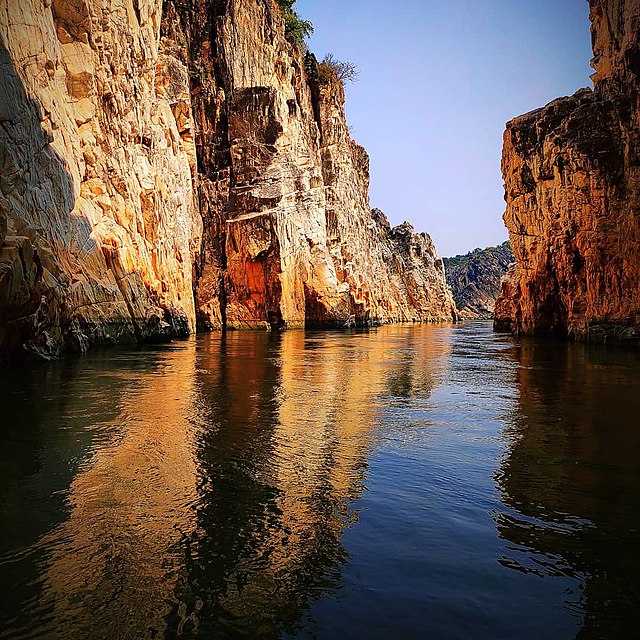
289, 236
572, 187
96, 180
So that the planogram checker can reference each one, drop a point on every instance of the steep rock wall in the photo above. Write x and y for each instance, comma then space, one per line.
289, 236
167, 166
415, 272
572, 187
99, 227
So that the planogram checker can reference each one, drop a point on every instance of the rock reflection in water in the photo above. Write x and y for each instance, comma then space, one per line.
115, 562
571, 479
204, 487
287, 458
212, 488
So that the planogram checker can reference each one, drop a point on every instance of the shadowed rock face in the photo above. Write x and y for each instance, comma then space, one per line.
171, 165
572, 187
475, 279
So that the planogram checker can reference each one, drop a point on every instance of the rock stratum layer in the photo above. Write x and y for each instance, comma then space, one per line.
180, 165
572, 187
475, 279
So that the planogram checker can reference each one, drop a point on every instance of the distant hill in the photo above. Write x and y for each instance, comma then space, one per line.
474, 279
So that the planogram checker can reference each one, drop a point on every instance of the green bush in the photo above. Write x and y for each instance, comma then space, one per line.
295, 28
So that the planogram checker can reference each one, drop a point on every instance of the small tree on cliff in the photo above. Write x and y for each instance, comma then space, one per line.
295, 28
331, 69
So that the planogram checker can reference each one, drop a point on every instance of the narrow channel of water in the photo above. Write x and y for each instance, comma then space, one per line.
409, 481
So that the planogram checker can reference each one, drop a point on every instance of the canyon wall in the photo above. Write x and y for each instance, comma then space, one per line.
167, 166
99, 225
572, 188
289, 238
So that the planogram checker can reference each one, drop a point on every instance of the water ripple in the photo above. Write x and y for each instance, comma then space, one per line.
419, 481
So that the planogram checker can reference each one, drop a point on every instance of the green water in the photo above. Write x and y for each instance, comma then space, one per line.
409, 481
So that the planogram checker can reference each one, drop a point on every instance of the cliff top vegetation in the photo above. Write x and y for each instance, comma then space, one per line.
332, 69
501, 251
295, 28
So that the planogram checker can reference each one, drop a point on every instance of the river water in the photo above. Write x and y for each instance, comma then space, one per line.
404, 482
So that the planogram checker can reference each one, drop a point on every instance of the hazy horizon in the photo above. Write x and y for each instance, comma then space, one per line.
438, 81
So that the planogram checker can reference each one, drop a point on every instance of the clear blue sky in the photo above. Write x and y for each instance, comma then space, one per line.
438, 80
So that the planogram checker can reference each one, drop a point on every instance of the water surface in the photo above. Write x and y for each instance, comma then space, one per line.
409, 481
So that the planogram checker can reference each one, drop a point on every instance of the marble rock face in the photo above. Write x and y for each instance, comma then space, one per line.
572, 187
179, 165
99, 224
289, 236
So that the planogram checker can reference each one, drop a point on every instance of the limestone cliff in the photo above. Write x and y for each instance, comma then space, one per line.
167, 166
572, 187
474, 279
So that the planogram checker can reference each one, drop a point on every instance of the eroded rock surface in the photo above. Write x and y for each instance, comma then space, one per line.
167, 166
96, 182
289, 237
572, 187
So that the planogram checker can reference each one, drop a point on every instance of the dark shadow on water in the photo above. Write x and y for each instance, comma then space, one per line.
571, 478
54, 416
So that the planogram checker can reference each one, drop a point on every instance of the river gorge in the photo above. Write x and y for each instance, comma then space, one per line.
429, 481
239, 400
